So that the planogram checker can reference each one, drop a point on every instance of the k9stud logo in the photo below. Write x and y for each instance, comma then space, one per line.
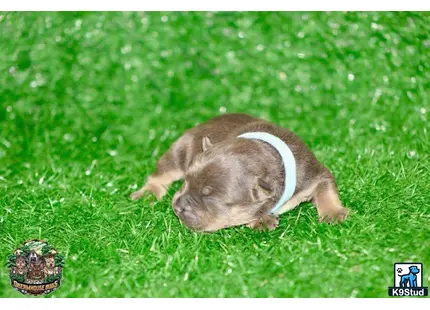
408, 280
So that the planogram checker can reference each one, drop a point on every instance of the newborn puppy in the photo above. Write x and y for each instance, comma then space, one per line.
232, 181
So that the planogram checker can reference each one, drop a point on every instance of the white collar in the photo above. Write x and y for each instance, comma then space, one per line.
288, 161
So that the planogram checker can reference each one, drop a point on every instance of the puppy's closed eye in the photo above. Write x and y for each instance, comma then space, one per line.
206, 190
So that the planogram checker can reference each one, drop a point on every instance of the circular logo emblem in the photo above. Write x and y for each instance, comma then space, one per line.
35, 268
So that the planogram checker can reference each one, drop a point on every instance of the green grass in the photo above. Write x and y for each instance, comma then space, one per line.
89, 101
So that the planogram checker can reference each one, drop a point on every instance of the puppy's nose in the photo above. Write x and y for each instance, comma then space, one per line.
179, 205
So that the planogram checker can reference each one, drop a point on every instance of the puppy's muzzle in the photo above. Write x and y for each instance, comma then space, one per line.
182, 208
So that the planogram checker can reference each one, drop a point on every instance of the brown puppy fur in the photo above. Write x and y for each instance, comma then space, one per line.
50, 268
231, 181
35, 270
20, 267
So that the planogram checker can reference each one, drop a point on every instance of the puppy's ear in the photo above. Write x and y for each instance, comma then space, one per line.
262, 190
206, 143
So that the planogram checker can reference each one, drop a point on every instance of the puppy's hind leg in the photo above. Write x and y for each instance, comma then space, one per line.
158, 183
326, 199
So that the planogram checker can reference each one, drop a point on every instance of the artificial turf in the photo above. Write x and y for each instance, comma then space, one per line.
89, 101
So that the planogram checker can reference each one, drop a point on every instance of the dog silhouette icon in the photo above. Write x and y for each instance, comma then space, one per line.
410, 279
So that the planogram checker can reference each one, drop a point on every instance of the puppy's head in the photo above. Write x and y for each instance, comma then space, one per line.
33, 258
20, 261
224, 186
50, 261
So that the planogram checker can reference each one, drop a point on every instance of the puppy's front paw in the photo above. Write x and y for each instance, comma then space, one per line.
335, 216
158, 190
137, 195
269, 222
